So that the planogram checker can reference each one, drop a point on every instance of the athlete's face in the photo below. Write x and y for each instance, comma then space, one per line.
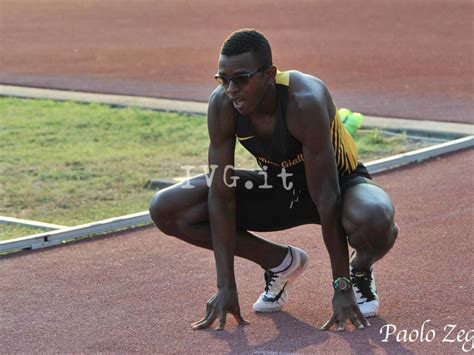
244, 81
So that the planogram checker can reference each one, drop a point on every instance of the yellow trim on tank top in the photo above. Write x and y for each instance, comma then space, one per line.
283, 78
344, 145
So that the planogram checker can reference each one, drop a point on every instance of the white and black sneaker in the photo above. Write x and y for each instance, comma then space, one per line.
365, 291
279, 283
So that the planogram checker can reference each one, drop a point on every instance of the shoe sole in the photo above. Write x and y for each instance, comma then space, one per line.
370, 315
290, 282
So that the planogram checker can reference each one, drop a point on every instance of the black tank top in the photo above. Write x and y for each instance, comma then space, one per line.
283, 151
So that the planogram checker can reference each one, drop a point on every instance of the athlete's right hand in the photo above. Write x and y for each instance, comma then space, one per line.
224, 301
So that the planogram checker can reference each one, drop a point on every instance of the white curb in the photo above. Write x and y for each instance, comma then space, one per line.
56, 237
29, 223
419, 155
107, 99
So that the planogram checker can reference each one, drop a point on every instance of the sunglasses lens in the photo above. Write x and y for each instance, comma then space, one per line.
240, 80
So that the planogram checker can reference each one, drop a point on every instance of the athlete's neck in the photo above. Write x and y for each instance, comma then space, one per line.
268, 104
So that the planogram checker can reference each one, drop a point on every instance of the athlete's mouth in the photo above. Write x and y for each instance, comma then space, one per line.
238, 103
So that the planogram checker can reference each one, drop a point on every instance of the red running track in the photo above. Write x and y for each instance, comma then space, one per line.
398, 58
139, 291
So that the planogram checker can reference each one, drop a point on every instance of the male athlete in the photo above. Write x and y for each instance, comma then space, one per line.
309, 174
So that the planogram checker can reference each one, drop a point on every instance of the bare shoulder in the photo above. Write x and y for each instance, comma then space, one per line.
303, 83
220, 115
219, 103
310, 105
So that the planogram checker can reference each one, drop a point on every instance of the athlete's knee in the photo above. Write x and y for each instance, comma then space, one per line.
392, 237
376, 226
161, 213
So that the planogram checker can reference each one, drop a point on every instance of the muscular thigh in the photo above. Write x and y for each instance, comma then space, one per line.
186, 200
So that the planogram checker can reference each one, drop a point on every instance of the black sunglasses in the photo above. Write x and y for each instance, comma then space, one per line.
238, 80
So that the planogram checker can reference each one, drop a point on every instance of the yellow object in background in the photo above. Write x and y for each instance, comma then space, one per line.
352, 120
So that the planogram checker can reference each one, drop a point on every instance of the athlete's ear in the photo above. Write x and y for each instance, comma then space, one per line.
271, 74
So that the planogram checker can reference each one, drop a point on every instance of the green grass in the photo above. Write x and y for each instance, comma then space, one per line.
68, 163
373, 144
8, 231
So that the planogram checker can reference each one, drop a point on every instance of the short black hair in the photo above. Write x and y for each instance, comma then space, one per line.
248, 40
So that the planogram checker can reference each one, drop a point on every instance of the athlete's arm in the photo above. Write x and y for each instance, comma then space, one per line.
221, 206
313, 108
321, 173
221, 199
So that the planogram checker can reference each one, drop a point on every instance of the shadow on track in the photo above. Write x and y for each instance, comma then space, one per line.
295, 336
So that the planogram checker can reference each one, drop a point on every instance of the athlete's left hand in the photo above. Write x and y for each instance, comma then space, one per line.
345, 308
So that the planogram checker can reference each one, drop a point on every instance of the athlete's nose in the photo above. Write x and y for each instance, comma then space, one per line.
232, 88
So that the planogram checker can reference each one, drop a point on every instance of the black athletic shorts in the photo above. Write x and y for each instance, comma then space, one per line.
270, 209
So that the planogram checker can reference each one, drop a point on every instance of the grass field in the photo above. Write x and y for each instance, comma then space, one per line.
68, 163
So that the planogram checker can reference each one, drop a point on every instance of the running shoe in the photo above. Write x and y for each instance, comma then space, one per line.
365, 291
277, 284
